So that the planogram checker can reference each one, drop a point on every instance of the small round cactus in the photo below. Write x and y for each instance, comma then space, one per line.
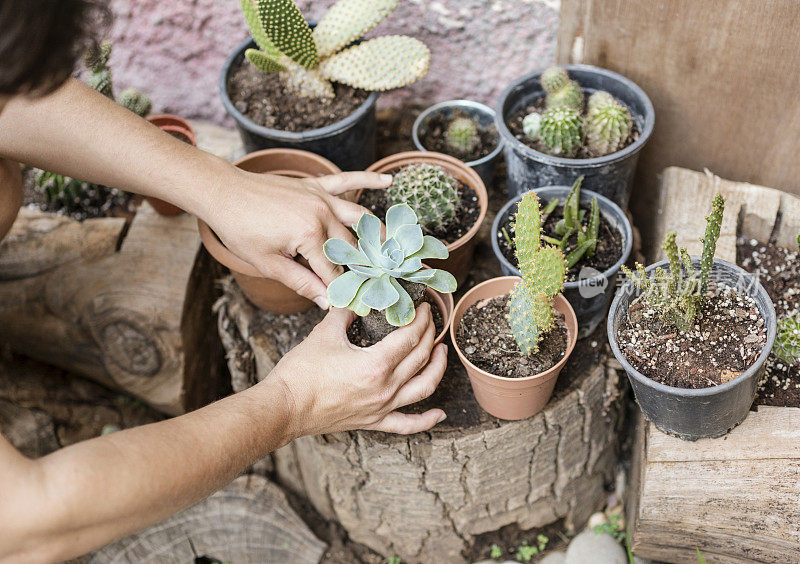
531, 125
136, 101
599, 99
561, 132
607, 128
462, 135
431, 191
570, 96
553, 79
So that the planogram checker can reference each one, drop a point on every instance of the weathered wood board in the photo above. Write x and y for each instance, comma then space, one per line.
736, 498
720, 75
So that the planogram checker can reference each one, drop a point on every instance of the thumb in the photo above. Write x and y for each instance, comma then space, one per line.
300, 279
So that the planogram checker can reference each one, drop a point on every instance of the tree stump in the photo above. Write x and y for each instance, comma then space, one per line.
734, 498
425, 497
247, 521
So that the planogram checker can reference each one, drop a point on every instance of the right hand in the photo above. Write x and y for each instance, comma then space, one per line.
332, 385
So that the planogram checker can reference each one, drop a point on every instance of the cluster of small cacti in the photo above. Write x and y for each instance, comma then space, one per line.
430, 190
99, 77
677, 297
309, 61
604, 129
136, 101
462, 135
787, 343
572, 223
530, 312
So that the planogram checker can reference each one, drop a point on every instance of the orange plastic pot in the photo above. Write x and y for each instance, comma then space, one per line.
171, 124
461, 250
265, 293
511, 398
445, 304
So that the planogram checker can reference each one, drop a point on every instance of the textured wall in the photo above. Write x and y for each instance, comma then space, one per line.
175, 49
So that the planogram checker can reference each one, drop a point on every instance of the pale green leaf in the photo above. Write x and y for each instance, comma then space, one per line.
410, 239
439, 280
397, 216
380, 293
341, 252
402, 312
432, 248
344, 288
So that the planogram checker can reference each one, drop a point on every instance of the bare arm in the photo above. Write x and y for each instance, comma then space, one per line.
84, 496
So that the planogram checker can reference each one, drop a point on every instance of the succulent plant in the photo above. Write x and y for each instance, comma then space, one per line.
572, 223
136, 101
530, 312
531, 125
787, 343
308, 61
678, 298
553, 78
607, 128
561, 132
568, 96
96, 61
599, 99
430, 190
376, 268
462, 135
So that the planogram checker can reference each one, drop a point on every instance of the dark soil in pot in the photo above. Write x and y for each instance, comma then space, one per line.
727, 338
514, 124
609, 245
485, 338
266, 101
469, 208
433, 138
359, 337
778, 269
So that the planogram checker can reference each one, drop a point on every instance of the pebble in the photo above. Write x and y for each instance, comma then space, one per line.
559, 557
597, 549
596, 520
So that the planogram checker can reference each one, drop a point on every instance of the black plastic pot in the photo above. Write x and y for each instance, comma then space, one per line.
349, 143
483, 116
609, 175
590, 295
707, 412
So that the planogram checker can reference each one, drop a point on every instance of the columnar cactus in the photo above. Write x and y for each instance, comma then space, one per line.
430, 190
308, 61
568, 96
530, 313
553, 79
561, 132
607, 128
531, 125
376, 267
675, 296
462, 135
787, 343
96, 61
136, 101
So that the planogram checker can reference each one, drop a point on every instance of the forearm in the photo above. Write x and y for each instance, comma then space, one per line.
84, 496
78, 132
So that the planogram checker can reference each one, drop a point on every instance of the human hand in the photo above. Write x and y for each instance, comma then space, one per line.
332, 385
269, 220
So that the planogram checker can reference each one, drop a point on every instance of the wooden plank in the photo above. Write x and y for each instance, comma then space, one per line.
718, 73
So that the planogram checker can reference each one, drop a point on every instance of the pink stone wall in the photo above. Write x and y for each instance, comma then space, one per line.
174, 49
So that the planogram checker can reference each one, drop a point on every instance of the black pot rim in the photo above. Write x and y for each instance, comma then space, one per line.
627, 234
690, 392
279, 134
635, 147
459, 103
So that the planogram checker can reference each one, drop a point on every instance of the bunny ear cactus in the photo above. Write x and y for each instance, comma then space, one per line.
376, 268
607, 128
530, 313
430, 190
309, 61
462, 135
561, 132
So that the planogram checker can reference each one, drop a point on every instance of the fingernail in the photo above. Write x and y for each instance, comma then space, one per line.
322, 302
386, 178
442, 417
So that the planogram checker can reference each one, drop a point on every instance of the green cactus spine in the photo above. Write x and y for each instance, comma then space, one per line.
568, 96
530, 313
462, 135
607, 128
136, 101
561, 132
430, 190
553, 78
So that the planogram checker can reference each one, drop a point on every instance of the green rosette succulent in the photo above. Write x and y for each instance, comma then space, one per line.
375, 268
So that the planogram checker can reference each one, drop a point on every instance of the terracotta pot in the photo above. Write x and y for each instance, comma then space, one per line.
445, 304
171, 124
511, 398
460, 259
265, 293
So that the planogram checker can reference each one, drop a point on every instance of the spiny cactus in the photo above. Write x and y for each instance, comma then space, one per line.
599, 99
96, 61
572, 223
376, 267
430, 190
530, 313
308, 61
531, 125
553, 78
607, 128
136, 101
677, 297
568, 96
787, 343
462, 135
561, 132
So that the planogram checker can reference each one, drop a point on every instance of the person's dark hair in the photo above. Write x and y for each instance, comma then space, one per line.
41, 41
